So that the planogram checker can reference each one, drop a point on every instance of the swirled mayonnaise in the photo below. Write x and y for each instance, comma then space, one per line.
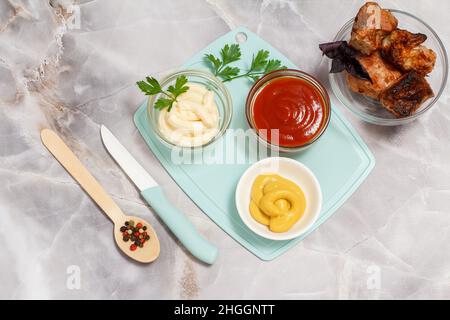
193, 120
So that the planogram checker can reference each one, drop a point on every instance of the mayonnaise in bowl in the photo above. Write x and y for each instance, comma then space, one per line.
198, 117
193, 120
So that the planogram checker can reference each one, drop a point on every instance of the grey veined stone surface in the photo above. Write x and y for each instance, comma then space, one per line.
74, 67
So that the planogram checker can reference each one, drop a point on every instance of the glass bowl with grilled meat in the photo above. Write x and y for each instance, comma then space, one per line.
390, 74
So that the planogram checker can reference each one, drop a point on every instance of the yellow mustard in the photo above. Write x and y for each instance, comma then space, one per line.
276, 202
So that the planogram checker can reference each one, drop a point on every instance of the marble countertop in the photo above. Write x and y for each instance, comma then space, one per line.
72, 67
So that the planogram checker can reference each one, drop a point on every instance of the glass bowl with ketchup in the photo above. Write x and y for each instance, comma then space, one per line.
288, 109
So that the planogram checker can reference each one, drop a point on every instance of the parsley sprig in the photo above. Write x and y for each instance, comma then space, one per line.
228, 54
152, 87
260, 65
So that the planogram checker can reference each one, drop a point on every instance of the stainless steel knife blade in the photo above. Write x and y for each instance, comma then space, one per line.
140, 177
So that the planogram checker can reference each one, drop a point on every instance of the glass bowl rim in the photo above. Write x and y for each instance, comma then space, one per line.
228, 105
255, 89
391, 121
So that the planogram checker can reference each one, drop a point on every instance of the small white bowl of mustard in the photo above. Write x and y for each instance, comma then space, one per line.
278, 198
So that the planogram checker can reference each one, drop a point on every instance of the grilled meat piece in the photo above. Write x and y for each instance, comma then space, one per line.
371, 25
406, 95
381, 72
404, 49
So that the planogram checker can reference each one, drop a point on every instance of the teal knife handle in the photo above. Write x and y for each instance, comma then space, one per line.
180, 225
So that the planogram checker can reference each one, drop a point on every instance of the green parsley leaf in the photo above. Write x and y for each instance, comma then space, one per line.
215, 61
179, 87
273, 65
254, 77
228, 72
162, 103
259, 61
151, 87
260, 65
230, 53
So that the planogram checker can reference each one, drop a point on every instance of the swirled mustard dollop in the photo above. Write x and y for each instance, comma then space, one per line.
276, 202
193, 120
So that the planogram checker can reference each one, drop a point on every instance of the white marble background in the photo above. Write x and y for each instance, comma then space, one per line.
73, 76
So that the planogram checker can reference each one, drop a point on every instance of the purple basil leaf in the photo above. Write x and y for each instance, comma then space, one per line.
348, 51
356, 69
337, 66
331, 49
344, 58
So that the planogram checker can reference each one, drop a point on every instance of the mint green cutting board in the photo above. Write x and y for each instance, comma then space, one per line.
340, 159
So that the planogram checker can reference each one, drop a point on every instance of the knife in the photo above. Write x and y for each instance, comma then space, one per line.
177, 222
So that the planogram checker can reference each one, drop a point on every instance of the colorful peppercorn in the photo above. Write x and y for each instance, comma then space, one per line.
136, 232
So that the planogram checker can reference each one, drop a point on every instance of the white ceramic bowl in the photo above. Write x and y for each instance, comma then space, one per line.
289, 169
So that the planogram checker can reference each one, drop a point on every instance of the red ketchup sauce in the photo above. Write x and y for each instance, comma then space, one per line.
294, 107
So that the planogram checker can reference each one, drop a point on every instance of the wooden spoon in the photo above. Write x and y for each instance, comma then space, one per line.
72, 164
